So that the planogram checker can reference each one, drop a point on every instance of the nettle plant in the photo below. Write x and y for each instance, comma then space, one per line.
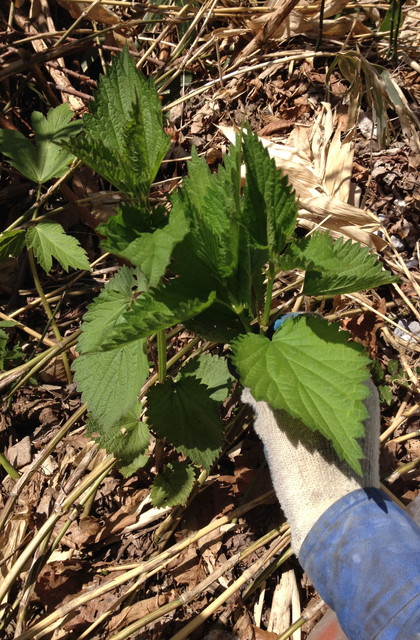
208, 260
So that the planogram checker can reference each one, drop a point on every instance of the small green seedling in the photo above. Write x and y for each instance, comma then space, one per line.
40, 161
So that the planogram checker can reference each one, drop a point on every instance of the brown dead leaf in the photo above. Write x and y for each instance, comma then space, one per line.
138, 610
99, 12
20, 454
279, 124
247, 465
60, 580
11, 537
215, 500
82, 533
243, 626
364, 328
304, 19
187, 569
261, 634
54, 372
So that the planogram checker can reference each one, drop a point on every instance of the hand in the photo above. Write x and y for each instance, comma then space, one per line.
307, 475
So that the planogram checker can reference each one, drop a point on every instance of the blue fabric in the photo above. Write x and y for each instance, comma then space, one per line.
363, 556
278, 323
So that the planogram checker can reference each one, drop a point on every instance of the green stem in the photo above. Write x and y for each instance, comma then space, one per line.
293, 627
245, 321
9, 469
180, 354
268, 296
161, 348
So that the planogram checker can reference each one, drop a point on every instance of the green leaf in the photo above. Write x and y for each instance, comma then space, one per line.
43, 160
185, 414
110, 380
393, 366
159, 309
57, 126
108, 308
385, 394
126, 225
208, 201
128, 440
270, 209
151, 252
334, 267
393, 18
311, 371
11, 243
49, 240
217, 324
123, 136
213, 372
173, 486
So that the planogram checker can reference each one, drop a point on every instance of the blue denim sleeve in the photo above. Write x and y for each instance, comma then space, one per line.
363, 556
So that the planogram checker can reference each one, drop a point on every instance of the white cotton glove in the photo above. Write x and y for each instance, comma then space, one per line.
307, 475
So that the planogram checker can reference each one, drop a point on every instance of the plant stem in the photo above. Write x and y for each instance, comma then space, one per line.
182, 352
161, 375
48, 311
9, 469
268, 296
161, 348
293, 627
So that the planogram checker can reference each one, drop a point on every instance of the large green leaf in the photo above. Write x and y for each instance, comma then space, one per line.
173, 486
334, 267
159, 309
110, 380
11, 243
49, 240
185, 414
270, 209
128, 440
123, 137
311, 371
42, 160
